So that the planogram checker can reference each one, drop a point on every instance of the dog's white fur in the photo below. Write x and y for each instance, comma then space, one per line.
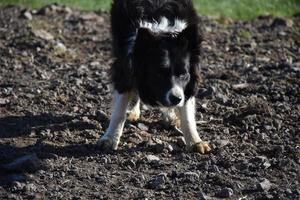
111, 138
188, 122
134, 112
177, 91
113, 134
164, 26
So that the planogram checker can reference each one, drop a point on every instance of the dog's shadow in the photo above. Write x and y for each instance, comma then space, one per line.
16, 126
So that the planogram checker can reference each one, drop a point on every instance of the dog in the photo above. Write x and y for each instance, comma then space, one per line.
157, 47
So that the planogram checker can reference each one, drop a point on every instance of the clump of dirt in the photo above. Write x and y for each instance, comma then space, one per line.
55, 98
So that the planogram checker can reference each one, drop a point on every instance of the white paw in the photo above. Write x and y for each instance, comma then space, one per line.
106, 143
201, 147
170, 118
133, 115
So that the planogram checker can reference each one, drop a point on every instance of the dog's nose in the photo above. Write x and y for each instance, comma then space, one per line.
175, 99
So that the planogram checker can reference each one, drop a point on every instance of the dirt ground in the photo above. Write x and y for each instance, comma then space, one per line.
55, 98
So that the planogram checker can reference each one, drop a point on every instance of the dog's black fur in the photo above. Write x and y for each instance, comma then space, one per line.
148, 62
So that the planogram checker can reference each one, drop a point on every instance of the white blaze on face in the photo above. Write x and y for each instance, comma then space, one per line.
175, 91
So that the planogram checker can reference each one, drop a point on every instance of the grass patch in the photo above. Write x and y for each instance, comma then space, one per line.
236, 9
245, 9
82, 4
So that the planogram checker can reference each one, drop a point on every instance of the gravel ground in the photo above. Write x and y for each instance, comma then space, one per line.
55, 98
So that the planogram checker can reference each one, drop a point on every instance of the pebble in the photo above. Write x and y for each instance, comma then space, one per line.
30, 187
152, 158
142, 127
223, 143
190, 177
264, 185
240, 86
225, 193
60, 48
43, 35
157, 182
91, 17
4, 102
222, 99
27, 15
17, 186
45, 133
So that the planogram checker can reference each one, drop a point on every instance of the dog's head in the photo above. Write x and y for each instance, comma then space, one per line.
165, 66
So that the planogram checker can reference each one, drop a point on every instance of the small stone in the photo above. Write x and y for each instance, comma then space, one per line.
157, 182
78, 81
266, 164
27, 15
222, 99
17, 186
45, 133
265, 185
4, 102
289, 191
225, 193
43, 35
91, 17
152, 158
142, 127
223, 143
226, 131
60, 49
240, 86
95, 64
173, 148
31, 187
170, 147
282, 33
190, 177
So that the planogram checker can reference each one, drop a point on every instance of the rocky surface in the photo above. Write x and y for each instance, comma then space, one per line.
55, 96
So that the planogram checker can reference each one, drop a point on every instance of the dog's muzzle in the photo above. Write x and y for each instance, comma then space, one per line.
175, 96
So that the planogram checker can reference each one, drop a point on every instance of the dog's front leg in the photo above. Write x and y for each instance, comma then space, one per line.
189, 127
111, 139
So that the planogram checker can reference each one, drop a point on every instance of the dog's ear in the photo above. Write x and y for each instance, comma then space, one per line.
188, 37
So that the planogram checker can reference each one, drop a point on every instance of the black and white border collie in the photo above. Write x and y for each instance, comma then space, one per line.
157, 46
